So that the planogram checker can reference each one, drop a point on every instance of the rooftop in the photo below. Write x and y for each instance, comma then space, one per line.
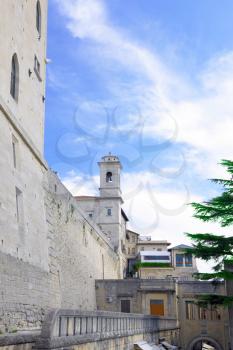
182, 246
153, 242
110, 158
131, 231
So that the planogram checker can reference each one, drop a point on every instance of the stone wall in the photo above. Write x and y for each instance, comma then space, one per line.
19, 35
27, 292
78, 253
78, 250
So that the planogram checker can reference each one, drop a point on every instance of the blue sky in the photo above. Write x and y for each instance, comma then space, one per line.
152, 82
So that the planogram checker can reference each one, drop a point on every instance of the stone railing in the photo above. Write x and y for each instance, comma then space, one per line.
64, 328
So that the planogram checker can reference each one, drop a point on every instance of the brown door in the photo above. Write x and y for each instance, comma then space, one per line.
157, 307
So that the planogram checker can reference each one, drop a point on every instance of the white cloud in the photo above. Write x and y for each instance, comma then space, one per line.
166, 216
81, 185
198, 115
203, 115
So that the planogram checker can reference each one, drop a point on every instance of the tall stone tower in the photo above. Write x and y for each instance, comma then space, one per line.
110, 171
111, 216
23, 32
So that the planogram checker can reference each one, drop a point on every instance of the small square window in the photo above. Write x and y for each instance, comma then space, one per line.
109, 211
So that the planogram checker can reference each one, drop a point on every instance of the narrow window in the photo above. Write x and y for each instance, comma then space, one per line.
179, 259
109, 176
37, 67
125, 306
133, 251
19, 206
190, 310
215, 314
15, 151
109, 211
14, 90
203, 313
38, 18
188, 260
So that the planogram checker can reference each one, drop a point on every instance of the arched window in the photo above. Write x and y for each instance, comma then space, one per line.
109, 176
14, 77
38, 17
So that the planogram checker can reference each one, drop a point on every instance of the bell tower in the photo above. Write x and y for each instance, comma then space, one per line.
110, 170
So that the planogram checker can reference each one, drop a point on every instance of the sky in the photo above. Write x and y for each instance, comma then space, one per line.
150, 81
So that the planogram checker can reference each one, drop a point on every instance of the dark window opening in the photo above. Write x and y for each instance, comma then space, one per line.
109, 176
156, 257
37, 68
14, 90
125, 306
38, 18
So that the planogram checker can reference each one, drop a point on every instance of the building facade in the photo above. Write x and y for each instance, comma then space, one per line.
22, 89
50, 254
54, 246
170, 298
106, 209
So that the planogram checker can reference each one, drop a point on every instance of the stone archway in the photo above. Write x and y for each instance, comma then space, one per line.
196, 343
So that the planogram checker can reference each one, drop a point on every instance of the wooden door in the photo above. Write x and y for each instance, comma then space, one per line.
157, 307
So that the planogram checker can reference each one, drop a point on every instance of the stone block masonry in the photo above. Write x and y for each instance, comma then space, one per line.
26, 293
78, 253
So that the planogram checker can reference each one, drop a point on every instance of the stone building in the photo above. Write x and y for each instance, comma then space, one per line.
199, 324
168, 298
154, 259
106, 209
50, 253
131, 244
53, 246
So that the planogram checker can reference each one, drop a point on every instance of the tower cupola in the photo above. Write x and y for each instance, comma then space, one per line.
110, 169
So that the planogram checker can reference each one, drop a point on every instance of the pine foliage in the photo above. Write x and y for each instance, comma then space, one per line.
209, 246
